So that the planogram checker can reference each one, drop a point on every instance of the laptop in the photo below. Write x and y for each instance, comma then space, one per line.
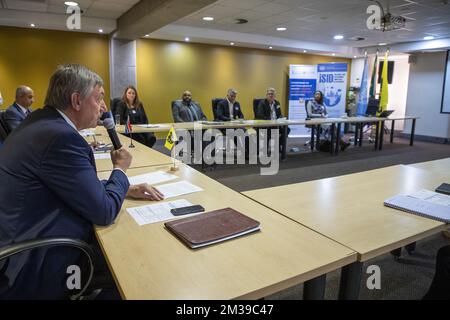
386, 113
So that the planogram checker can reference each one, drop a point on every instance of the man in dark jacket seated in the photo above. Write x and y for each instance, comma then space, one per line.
50, 186
229, 108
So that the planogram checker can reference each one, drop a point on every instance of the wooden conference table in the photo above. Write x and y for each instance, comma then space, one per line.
349, 209
438, 167
143, 156
283, 124
148, 262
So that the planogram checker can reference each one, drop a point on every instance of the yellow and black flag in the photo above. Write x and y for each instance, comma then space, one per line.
171, 139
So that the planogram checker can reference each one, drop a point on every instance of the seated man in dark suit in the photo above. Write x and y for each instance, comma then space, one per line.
186, 110
270, 109
20, 109
229, 108
50, 186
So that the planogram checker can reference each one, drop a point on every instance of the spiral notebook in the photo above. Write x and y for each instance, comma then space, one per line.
424, 203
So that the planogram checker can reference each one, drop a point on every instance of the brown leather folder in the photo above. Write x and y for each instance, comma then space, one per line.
212, 227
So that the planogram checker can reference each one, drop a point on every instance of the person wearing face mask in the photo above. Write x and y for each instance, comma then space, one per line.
186, 110
20, 109
131, 107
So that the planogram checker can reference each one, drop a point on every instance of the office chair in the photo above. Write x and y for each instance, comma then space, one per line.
308, 117
373, 106
256, 102
114, 103
4, 130
214, 103
28, 245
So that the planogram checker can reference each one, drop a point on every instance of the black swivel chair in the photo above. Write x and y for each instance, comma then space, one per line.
373, 105
114, 104
4, 130
256, 102
214, 103
20, 247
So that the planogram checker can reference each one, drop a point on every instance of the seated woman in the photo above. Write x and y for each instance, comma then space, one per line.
130, 106
316, 109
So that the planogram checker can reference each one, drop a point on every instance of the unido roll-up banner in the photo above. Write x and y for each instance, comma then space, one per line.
332, 81
302, 84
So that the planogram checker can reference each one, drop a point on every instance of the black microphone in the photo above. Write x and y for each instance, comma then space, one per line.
108, 123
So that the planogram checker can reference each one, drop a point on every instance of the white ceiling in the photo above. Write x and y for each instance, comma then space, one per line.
51, 14
108, 9
311, 21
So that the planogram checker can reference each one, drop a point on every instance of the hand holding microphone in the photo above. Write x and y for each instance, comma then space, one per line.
108, 123
120, 157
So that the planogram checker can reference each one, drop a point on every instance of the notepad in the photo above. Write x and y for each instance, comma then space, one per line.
212, 227
152, 178
424, 203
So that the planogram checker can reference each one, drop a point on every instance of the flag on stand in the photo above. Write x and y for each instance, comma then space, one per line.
374, 76
171, 139
362, 101
128, 127
384, 95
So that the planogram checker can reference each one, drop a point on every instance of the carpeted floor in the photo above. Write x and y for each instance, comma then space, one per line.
407, 278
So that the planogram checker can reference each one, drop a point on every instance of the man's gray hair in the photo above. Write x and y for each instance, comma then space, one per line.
69, 79
271, 90
231, 90
22, 90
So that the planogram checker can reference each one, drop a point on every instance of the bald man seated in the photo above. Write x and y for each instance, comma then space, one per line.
20, 109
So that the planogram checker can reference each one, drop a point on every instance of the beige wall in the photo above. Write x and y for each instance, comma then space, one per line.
165, 69
30, 56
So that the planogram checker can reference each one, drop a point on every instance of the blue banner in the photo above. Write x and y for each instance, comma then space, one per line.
332, 81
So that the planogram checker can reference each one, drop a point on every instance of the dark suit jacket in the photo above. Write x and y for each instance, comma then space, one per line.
137, 116
263, 110
49, 187
223, 111
180, 112
14, 116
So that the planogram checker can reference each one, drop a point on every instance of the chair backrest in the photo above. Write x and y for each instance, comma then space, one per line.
308, 116
114, 103
256, 102
4, 130
214, 103
173, 104
372, 107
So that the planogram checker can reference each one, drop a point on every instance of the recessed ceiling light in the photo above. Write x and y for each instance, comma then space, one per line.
208, 18
382, 44
100, 30
71, 3
187, 39
304, 51
270, 47
32, 25
333, 54
231, 43
281, 29
428, 38
147, 35
338, 37
355, 57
